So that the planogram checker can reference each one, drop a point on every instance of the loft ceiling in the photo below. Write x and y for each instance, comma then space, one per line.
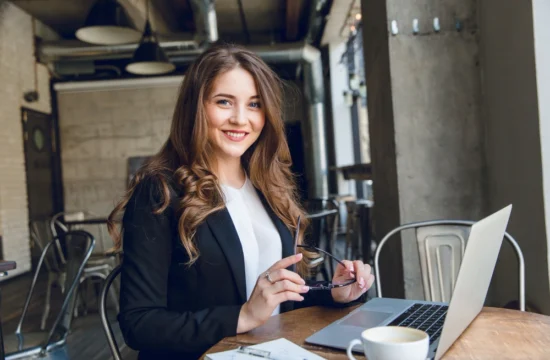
180, 24
241, 21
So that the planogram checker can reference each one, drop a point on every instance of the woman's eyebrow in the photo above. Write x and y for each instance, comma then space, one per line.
233, 97
225, 95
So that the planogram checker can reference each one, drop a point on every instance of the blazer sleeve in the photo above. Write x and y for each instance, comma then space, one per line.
146, 322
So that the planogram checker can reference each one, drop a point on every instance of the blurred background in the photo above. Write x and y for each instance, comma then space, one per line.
397, 111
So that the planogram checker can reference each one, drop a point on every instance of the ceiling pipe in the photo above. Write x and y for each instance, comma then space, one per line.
71, 50
315, 135
206, 20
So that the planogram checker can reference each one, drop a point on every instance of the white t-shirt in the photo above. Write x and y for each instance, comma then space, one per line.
259, 237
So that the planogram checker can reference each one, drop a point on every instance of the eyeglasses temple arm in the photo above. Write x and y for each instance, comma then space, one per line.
327, 253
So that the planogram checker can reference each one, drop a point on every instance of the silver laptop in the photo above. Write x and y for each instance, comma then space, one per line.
443, 322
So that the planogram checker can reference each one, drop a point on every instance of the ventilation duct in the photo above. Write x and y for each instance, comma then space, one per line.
205, 18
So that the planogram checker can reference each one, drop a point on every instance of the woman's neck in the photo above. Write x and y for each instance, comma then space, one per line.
231, 172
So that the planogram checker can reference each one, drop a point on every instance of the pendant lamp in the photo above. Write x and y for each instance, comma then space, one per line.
108, 24
149, 58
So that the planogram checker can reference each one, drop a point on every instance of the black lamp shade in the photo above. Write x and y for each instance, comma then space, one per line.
149, 58
108, 24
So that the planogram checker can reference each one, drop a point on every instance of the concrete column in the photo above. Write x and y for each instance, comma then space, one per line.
424, 122
515, 48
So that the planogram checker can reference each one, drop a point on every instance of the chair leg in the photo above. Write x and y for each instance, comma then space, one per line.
46, 312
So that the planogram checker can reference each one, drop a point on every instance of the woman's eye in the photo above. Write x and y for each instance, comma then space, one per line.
255, 105
223, 102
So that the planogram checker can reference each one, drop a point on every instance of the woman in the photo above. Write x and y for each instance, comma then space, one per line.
208, 248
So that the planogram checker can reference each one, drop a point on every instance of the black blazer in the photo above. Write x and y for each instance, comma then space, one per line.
169, 310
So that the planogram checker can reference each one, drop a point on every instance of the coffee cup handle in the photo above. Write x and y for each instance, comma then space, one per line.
350, 346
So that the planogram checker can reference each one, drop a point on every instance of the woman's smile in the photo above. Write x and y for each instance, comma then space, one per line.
235, 135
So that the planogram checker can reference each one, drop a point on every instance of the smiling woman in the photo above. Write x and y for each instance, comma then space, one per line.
206, 232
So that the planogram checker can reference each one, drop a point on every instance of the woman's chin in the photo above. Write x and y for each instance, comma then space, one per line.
231, 154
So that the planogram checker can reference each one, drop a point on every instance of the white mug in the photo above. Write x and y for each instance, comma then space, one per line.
392, 343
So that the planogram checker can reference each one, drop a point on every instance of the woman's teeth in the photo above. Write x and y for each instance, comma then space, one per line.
233, 134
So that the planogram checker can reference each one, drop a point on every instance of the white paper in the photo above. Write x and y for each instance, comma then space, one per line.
280, 349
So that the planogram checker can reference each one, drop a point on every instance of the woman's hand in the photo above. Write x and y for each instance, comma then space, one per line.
282, 285
364, 281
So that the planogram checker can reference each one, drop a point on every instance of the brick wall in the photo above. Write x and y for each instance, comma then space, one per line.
17, 75
102, 123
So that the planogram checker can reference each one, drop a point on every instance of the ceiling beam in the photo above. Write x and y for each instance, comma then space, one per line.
293, 14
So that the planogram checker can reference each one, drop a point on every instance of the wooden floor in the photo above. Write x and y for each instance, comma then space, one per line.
86, 339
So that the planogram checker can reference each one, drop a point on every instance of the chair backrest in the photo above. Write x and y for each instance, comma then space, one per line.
61, 222
40, 236
441, 246
58, 229
323, 214
358, 228
103, 312
79, 245
321, 227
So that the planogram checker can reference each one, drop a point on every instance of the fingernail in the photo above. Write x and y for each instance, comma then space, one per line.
305, 288
302, 281
364, 290
301, 298
299, 255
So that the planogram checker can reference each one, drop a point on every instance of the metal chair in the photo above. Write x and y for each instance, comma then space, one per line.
79, 245
103, 313
40, 238
98, 266
328, 229
358, 230
441, 246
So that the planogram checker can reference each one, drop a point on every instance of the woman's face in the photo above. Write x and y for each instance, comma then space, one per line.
235, 114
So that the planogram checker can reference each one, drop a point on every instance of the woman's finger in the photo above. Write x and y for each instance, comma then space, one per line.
287, 285
284, 274
286, 262
341, 270
363, 272
286, 296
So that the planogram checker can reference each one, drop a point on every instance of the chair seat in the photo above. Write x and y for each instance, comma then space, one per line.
23, 345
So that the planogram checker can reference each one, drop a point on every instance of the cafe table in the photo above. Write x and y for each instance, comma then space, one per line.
495, 334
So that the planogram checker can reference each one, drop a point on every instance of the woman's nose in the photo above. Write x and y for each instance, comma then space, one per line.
239, 117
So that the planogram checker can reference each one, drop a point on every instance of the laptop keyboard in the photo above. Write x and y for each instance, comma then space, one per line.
425, 317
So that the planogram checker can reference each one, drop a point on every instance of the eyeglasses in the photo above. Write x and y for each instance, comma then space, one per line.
323, 285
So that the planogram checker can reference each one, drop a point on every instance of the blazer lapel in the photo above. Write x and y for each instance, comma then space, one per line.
223, 229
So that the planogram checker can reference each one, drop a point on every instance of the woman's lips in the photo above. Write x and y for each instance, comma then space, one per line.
236, 136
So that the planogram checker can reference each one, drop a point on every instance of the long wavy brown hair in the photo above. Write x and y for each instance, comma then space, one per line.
187, 154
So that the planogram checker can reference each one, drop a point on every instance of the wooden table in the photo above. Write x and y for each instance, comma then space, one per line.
495, 334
